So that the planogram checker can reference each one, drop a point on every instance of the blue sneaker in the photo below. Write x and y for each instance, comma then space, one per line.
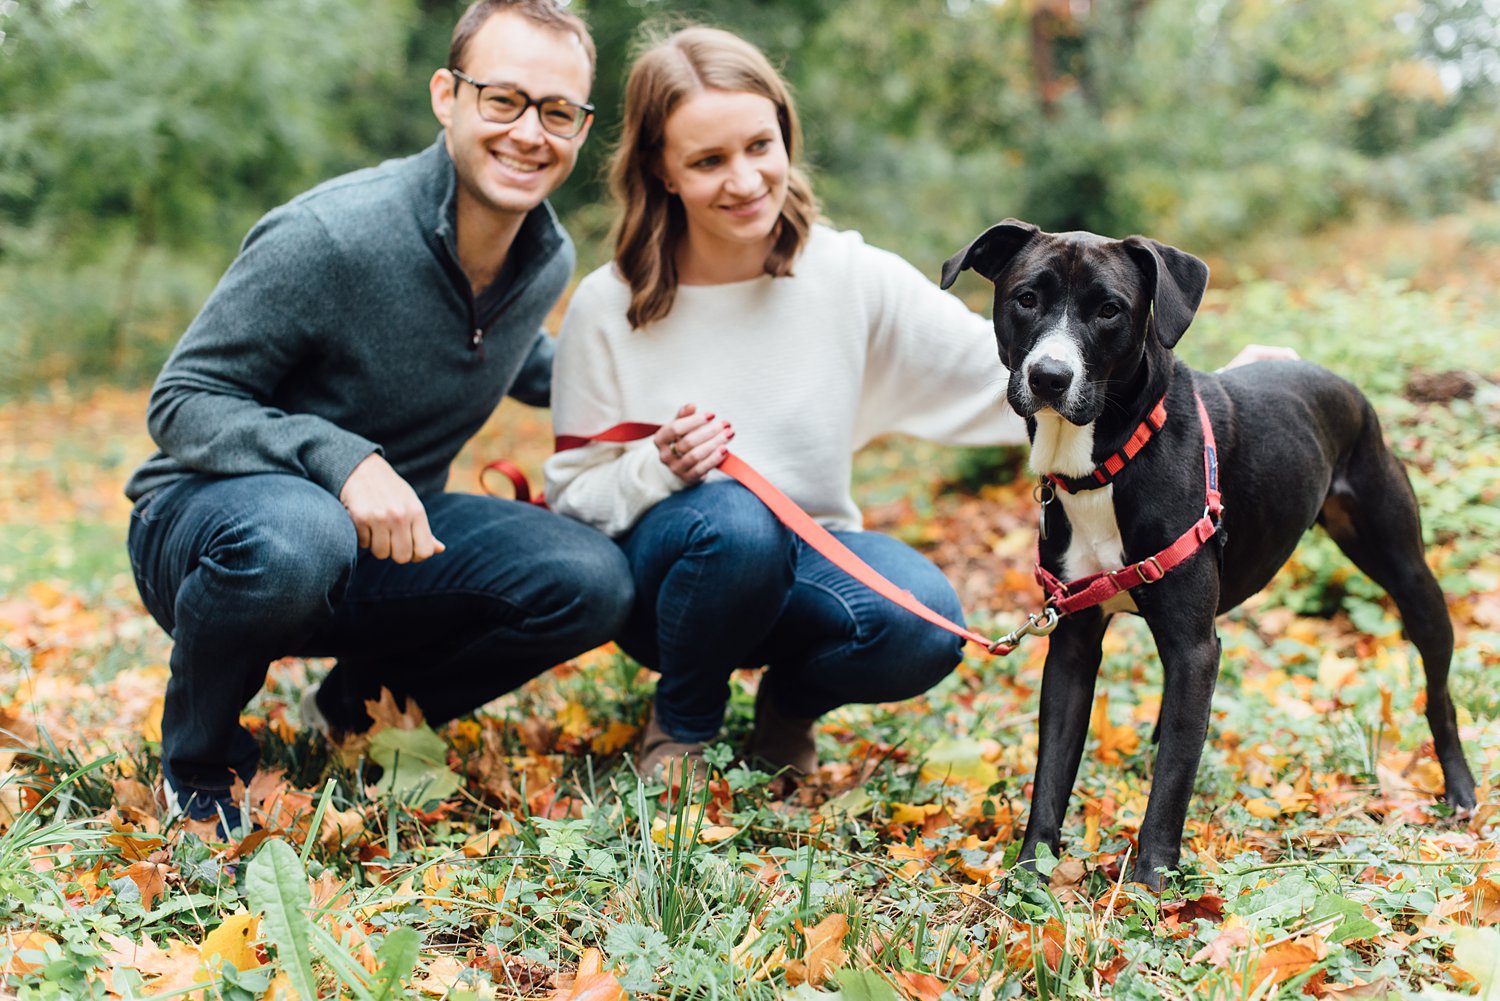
204, 805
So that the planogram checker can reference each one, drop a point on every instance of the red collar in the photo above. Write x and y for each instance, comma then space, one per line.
1110, 468
1095, 589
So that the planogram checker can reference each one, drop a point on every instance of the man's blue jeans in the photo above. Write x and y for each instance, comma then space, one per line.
244, 570
721, 584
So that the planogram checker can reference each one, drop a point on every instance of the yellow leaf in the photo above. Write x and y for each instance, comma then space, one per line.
1114, 741
742, 955
661, 833
1334, 672
26, 951
574, 720
616, 737
910, 813
340, 827
151, 723
1263, 807
959, 760
232, 944
280, 989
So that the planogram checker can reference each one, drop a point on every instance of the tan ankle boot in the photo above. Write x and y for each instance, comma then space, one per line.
671, 760
781, 741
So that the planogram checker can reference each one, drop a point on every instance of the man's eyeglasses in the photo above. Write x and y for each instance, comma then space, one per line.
503, 103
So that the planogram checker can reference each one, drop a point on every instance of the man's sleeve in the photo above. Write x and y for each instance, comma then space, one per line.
210, 406
533, 385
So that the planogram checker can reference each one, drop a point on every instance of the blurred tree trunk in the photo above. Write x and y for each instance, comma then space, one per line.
130, 276
1043, 64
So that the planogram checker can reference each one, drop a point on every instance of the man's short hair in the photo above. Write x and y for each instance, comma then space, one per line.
546, 13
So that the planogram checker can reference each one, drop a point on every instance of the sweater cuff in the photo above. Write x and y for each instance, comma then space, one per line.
654, 474
330, 461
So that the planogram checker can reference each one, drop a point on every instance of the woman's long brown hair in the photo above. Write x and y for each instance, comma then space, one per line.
651, 222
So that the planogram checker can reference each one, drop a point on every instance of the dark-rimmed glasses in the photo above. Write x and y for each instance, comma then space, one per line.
503, 103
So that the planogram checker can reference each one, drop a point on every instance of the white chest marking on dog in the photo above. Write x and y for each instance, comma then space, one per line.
1094, 544
1061, 447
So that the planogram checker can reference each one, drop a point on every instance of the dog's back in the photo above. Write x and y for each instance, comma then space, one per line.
1287, 432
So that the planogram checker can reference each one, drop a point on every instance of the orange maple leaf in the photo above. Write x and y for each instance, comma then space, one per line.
592, 982
920, 986
150, 876
824, 954
385, 712
134, 843
1285, 960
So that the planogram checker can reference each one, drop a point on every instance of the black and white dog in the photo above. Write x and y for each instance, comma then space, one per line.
1086, 326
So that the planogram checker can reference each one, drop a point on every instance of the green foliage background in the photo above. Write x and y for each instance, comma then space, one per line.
139, 139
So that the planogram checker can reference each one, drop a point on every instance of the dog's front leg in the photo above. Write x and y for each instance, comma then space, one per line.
1182, 622
1067, 697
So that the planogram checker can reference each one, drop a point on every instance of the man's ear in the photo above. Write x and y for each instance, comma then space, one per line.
990, 251
1176, 281
441, 89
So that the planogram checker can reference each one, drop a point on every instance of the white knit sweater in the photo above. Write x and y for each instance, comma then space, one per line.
809, 367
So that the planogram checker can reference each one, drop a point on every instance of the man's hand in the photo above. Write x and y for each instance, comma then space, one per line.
390, 520
1251, 353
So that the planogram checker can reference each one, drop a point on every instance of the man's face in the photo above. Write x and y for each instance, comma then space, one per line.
508, 169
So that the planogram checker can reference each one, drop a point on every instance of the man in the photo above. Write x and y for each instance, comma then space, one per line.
307, 420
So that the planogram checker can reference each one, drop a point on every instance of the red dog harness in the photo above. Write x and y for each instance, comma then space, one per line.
1095, 589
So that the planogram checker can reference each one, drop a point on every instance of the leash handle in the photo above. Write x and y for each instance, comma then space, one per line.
517, 478
800, 523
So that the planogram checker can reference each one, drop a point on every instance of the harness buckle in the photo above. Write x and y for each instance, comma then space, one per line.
1140, 568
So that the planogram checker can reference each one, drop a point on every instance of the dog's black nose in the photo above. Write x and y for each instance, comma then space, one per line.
1049, 378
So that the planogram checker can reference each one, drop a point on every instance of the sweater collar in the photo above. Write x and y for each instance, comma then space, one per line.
540, 236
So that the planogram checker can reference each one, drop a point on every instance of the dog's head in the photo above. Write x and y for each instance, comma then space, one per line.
1075, 311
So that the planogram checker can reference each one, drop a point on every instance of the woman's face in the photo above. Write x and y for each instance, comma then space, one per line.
723, 156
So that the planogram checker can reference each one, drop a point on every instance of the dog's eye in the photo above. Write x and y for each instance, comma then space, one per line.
1109, 311
1026, 300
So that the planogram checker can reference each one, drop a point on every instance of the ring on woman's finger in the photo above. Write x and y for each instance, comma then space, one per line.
674, 450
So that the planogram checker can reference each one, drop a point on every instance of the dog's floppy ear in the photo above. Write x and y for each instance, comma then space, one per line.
990, 251
1177, 279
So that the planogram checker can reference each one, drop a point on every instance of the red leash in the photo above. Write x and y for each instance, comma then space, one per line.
1062, 598
803, 526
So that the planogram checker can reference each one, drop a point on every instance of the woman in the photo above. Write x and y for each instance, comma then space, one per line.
731, 315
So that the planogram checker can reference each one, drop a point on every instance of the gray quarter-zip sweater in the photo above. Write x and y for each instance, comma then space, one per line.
345, 326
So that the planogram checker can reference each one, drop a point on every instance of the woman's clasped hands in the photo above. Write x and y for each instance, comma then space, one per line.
692, 445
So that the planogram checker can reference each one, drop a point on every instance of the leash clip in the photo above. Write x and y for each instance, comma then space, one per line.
1037, 624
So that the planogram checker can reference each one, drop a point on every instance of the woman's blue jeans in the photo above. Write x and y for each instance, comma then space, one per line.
243, 570
721, 584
